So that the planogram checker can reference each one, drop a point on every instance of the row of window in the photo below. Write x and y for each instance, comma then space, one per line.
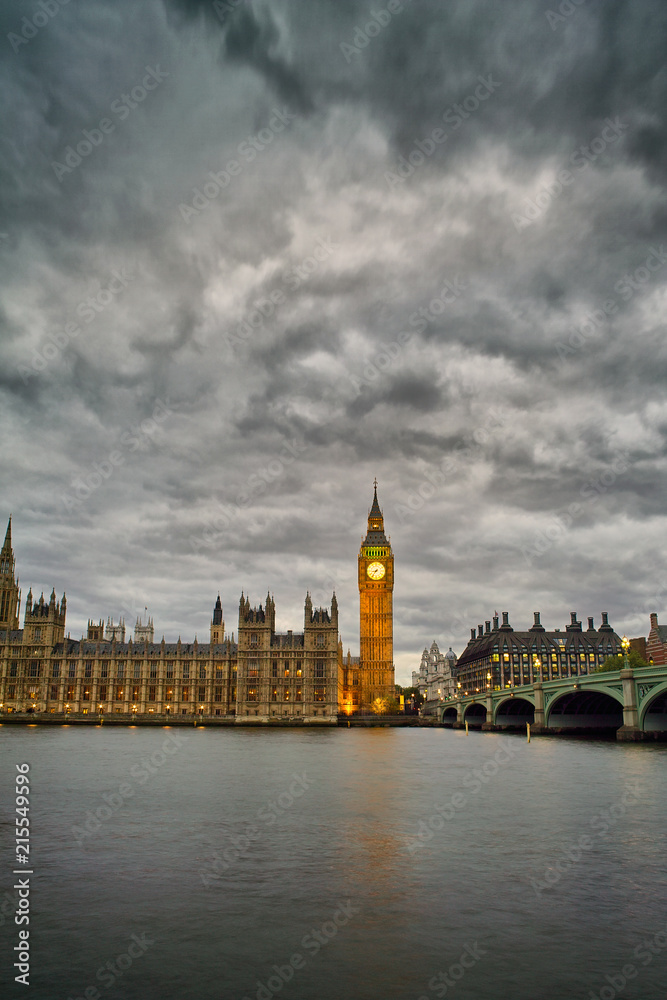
525, 674
70, 670
319, 639
562, 655
286, 694
118, 693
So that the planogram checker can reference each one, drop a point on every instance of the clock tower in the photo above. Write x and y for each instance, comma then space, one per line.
376, 631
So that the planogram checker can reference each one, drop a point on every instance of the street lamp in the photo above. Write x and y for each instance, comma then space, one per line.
625, 643
67, 708
537, 666
100, 711
488, 678
134, 713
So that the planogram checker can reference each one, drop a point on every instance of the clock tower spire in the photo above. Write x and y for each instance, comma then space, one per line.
376, 585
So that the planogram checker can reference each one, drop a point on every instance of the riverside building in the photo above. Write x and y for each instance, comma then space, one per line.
259, 676
498, 657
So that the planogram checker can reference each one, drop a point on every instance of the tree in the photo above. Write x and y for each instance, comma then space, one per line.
617, 663
410, 692
385, 706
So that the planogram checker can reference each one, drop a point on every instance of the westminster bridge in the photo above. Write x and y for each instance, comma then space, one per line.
631, 702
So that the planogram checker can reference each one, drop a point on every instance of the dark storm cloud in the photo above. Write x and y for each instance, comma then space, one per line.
391, 281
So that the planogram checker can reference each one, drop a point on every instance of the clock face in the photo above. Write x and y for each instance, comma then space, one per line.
376, 571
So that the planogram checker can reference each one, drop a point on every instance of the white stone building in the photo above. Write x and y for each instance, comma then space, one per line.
435, 677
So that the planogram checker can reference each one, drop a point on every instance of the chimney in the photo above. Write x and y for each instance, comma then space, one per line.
480, 631
591, 627
573, 617
654, 620
473, 634
495, 623
506, 617
536, 618
488, 628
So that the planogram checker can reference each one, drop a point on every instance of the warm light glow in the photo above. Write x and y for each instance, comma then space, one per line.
625, 642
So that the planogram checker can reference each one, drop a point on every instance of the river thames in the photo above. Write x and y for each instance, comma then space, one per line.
376, 864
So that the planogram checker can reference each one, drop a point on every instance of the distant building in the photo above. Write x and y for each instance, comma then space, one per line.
435, 677
263, 676
499, 657
656, 643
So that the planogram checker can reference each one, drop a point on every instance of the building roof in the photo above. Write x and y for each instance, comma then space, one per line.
531, 640
375, 534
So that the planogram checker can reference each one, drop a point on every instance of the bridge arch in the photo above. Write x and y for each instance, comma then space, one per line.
515, 710
653, 712
475, 713
585, 708
449, 715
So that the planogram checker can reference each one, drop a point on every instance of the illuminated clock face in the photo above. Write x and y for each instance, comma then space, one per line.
376, 571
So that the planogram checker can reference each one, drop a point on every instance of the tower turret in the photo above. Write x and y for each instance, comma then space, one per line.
10, 596
217, 624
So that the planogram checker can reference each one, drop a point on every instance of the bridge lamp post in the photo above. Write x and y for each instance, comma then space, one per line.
537, 667
488, 679
625, 643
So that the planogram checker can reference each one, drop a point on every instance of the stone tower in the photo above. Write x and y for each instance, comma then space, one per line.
10, 596
376, 630
217, 624
44, 624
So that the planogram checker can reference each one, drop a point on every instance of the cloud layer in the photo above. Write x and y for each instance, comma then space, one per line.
255, 254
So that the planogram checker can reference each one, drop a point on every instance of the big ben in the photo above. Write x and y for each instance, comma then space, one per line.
376, 630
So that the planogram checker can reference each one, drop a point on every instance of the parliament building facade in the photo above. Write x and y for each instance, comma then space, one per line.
261, 676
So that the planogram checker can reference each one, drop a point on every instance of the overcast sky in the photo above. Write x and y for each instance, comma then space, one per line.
254, 254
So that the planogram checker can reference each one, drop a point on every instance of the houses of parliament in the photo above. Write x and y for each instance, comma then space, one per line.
259, 676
